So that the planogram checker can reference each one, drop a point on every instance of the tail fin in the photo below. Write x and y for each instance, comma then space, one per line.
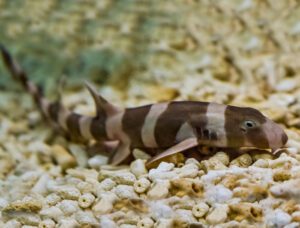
75, 125
19, 75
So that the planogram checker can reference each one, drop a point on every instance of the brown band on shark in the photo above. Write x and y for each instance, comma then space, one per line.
206, 134
53, 111
98, 128
168, 125
133, 122
14, 68
23, 78
165, 133
232, 123
73, 125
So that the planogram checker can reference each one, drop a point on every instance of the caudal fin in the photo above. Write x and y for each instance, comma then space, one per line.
77, 126
20, 75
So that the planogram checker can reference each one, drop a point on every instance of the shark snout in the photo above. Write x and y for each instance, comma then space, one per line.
276, 136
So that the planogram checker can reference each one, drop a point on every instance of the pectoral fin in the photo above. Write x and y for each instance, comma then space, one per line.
182, 146
121, 153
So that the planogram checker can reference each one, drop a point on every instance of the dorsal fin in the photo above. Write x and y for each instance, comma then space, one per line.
102, 105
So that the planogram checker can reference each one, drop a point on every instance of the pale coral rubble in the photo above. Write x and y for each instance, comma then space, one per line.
233, 52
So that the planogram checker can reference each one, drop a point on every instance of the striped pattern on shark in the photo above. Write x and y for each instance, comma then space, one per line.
171, 126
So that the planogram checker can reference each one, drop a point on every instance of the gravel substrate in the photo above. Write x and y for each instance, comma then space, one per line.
234, 52
47, 181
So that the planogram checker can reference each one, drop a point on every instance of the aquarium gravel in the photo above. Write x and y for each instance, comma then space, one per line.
239, 52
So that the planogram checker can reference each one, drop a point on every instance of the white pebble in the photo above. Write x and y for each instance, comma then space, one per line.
3, 203
139, 154
29, 218
62, 156
68, 222
218, 194
28, 226
188, 171
68, 207
164, 223
145, 223
125, 192
278, 218
165, 166
282, 160
261, 163
107, 184
107, 222
86, 218
47, 223
160, 210
53, 199
286, 85
120, 177
73, 181
217, 215
292, 225
296, 215
86, 200
288, 188
40, 186
252, 43
125, 178
295, 30
160, 190
104, 206
138, 167
200, 209
52, 186
184, 216
38, 147
192, 161
127, 226
85, 187
68, 192
13, 224
141, 185
52, 212
80, 155
163, 171
30, 176
281, 99
97, 161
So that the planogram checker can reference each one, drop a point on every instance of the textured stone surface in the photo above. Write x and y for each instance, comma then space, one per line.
234, 52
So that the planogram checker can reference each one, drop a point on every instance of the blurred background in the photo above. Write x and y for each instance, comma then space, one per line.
166, 46
240, 52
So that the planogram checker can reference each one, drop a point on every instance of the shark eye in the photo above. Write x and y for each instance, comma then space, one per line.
249, 124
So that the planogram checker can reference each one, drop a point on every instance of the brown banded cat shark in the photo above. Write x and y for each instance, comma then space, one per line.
173, 126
